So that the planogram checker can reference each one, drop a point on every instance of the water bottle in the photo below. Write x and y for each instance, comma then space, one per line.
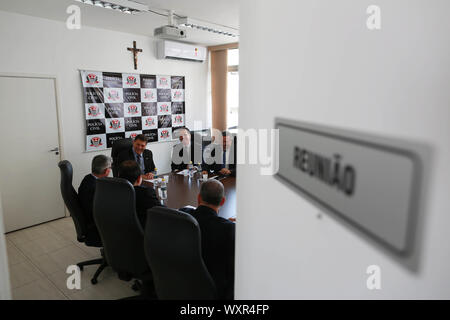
163, 190
191, 169
199, 168
155, 181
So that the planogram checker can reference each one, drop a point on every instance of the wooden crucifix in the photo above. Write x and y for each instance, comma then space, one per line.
135, 52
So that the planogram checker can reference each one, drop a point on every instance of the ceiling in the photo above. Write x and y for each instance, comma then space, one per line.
220, 12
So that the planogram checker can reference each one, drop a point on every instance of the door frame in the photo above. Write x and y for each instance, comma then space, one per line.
57, 103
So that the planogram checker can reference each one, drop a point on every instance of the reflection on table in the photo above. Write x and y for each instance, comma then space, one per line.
183, 190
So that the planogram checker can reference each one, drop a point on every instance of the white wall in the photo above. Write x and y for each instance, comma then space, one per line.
5, 288
316, 61
40, 46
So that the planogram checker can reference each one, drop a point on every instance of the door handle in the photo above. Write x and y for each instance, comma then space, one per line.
55, 150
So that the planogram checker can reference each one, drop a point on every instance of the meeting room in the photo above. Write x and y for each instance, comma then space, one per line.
224, 150
143, 97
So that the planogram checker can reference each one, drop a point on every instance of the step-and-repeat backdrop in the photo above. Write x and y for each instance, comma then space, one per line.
123, 105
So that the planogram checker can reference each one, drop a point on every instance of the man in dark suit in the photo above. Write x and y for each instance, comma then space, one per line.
182, 153
218, 237
220, 157
145, 197
100, 168
141, 155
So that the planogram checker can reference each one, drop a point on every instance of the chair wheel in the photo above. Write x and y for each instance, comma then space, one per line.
94, 281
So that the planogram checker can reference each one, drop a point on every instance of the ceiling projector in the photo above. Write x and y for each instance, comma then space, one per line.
169, 32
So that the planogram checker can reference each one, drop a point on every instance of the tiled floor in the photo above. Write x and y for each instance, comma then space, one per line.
39, 256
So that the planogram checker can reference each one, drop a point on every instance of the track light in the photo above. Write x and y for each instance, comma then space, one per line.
189, 23
125, 6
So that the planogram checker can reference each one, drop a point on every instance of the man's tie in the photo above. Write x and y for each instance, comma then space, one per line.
140, 162
224, 159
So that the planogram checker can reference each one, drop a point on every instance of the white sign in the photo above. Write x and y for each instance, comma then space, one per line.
368, 181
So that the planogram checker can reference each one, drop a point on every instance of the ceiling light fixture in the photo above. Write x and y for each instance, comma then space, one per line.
125, 6
190, 23
132, 7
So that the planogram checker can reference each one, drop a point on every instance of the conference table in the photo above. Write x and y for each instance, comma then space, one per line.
183, 190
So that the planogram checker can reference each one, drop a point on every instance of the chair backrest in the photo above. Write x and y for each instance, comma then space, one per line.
71, 200
173, 251
120, 230
117, 147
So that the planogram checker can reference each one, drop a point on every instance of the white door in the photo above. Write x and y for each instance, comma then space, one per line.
29, 175
5, 288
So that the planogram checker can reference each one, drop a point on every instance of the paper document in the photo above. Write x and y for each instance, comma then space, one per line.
150, 180
184, 172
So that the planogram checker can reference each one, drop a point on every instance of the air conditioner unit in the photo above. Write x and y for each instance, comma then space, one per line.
180, 51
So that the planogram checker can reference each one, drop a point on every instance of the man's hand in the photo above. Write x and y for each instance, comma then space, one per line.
147, 176
232, 219
225, 171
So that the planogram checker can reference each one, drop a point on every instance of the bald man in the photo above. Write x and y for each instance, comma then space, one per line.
218, 237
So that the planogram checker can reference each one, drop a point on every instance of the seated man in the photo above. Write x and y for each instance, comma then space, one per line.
220, 157
100, 168
145, 197
141, 155
181, 152
218, 236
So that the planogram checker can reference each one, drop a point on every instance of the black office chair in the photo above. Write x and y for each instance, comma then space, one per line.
121, 232
173, 251
88, 235
117, 148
